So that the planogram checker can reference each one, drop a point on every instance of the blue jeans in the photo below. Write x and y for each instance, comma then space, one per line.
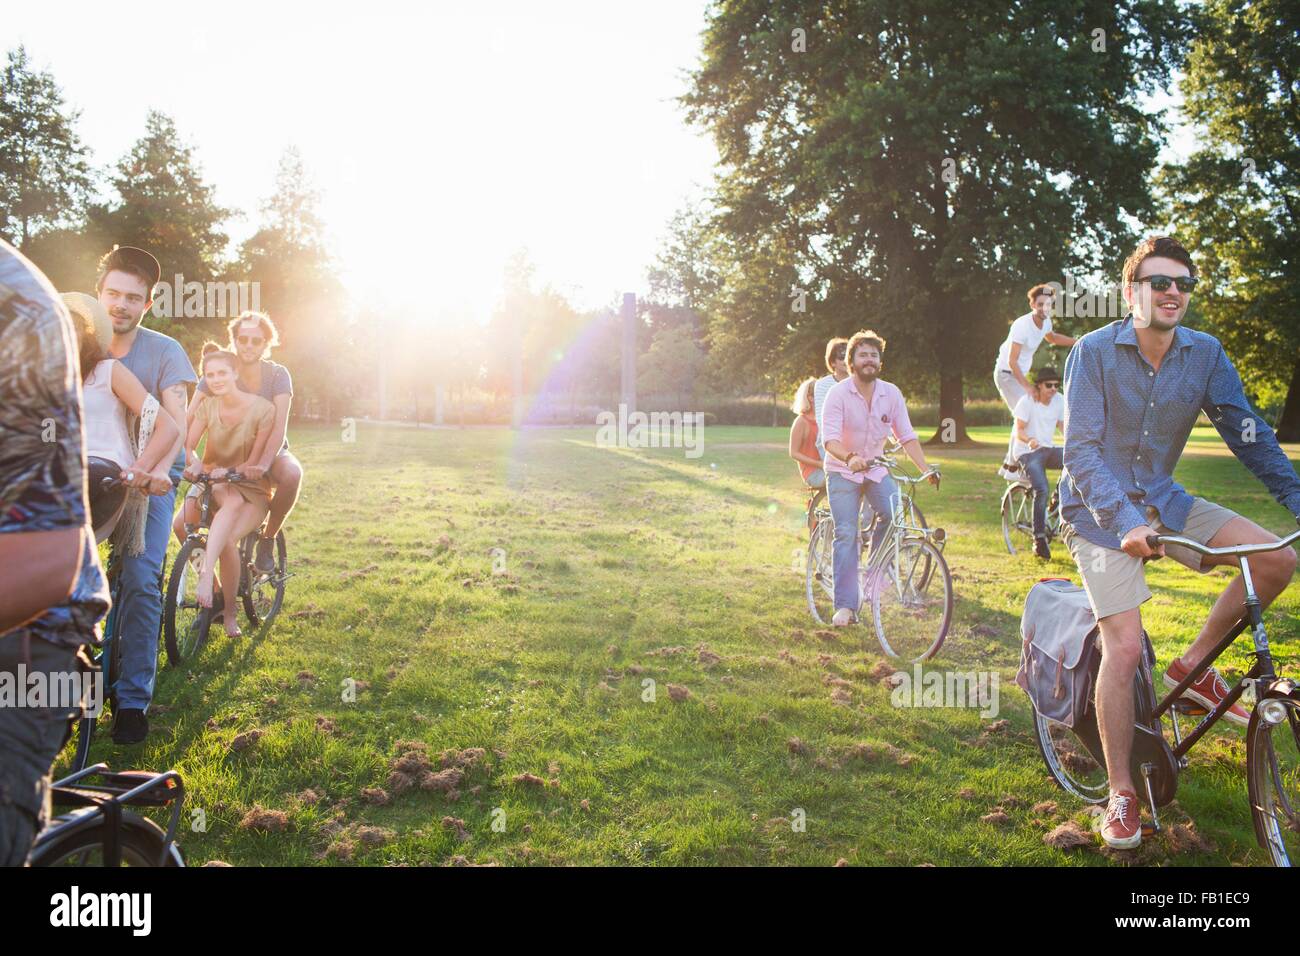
816, 479
847, 498
1036, 463
141, 607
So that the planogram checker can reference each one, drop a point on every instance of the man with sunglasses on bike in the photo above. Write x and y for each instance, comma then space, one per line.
52, 589
252, 336
1038, 415
1133, 390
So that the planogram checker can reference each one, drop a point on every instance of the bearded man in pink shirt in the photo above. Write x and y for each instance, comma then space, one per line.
859, 414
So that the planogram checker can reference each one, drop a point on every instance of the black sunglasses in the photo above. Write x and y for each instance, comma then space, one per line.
1051, 385
1161, 283
250, 340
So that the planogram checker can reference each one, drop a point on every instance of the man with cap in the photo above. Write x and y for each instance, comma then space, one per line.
127, 277
1038, 416
52, 589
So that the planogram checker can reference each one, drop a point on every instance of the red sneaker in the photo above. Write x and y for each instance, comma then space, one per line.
1121, 827
1208, 691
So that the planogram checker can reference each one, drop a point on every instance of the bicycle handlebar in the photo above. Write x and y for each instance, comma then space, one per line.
884, 461
203, 477
1240, 550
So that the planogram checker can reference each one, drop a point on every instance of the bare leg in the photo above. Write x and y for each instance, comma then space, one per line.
235, 518
188, 513
1121, 637
286, 470
229, 566
1270, 572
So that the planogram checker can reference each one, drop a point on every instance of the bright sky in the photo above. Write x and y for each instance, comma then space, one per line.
442, 138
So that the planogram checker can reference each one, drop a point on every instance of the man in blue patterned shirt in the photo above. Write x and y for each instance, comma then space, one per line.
1133, 390
52, 592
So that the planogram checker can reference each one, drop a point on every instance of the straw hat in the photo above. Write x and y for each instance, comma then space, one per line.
87, 307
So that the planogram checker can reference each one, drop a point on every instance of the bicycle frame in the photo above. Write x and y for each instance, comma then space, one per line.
1260, 674
1262, 670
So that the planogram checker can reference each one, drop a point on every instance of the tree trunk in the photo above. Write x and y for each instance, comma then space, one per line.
1288, 423
952, 413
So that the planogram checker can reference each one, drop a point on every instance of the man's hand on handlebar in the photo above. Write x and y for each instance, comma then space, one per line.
1136, 545
934, 477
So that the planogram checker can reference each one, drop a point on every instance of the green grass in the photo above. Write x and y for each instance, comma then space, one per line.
610, 556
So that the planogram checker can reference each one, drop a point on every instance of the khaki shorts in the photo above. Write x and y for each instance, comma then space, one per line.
1116, 581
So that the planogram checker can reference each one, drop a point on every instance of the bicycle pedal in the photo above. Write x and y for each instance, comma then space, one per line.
1148, 828
1189, 708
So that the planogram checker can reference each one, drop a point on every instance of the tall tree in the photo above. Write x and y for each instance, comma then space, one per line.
911, 161
44, 175
298, 285
165, 206
1235, 201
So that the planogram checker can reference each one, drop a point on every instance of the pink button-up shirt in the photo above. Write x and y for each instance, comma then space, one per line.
862, 427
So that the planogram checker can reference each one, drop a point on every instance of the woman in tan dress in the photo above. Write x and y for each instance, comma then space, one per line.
238, 425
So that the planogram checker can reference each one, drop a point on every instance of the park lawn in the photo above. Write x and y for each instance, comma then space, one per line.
620, 567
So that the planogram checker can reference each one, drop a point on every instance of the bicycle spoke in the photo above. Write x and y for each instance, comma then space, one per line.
911, 598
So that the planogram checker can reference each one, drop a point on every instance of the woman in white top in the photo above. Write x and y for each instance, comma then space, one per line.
109, 392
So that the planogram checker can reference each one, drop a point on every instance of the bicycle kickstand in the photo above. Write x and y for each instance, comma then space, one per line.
1147, 770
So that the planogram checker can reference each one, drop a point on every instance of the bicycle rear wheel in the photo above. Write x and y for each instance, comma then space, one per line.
185, 623
1018, 518
819, 581
143, 843
1069, 758
264, 594
911, 599
1273, 777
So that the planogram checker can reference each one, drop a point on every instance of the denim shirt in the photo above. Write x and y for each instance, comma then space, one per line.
1126, 426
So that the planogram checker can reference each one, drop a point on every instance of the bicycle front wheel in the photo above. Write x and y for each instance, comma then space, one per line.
819, 581
911, 599
1273, 777
185, 623
1018, 518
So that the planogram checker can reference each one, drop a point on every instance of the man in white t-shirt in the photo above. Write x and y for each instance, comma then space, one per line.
1038, 416
839, 371
1016, 357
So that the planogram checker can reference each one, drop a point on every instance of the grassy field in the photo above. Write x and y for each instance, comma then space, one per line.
619, 567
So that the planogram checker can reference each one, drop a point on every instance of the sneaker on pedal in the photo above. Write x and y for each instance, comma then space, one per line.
843, 618
264, 560
1209, 691
130, 726
1041, 549
1121, 827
